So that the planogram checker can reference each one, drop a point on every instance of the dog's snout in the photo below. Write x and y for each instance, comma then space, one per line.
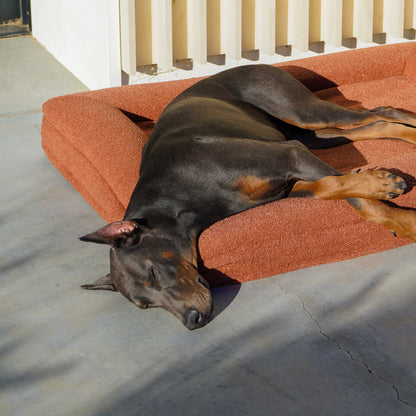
194, 319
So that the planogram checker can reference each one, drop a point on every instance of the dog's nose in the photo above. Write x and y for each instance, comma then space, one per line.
194, 319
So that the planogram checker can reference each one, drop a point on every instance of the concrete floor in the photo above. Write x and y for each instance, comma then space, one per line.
332, 340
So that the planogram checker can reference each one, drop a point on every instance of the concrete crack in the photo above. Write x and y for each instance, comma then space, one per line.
363, 363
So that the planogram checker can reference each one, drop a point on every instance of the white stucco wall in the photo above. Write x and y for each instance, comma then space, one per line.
83, 35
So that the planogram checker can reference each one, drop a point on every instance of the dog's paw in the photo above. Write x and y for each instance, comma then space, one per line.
383, 184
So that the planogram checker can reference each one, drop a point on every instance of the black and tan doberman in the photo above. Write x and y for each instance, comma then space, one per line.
228, 143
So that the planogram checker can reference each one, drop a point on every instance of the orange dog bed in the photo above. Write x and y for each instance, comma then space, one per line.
95, 140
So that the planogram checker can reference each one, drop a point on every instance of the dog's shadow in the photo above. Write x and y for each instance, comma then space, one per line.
222, 297
409, 179
224, 289
410, 182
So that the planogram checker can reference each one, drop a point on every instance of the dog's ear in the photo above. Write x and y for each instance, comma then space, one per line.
103, 283
119, 234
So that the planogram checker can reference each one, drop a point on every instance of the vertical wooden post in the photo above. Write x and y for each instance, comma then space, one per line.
128, 36
248, 25
265, 26
112, 21
315, 21
282, 25
393, 17
144, 49
231, 18
363, 20
179, 30
410, 14
213, 27
197, 31
298, 24
162, 34
331, 21
378, 16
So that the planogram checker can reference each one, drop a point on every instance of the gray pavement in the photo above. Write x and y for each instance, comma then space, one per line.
337, 339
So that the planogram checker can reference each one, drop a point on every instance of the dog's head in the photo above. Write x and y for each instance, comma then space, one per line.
150, 271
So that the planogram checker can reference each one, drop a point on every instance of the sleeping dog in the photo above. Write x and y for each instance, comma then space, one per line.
231, 142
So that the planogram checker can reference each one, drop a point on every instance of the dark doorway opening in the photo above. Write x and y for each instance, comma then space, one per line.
14, 18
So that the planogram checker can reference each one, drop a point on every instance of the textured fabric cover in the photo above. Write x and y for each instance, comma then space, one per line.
95, 140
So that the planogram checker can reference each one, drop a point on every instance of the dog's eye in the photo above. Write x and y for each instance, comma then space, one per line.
203, 282
154, 279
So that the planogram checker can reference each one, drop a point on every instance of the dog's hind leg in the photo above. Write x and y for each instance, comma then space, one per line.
316, 114
285, 98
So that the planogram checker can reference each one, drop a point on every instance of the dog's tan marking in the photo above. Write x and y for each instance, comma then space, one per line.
168, 255
254, 187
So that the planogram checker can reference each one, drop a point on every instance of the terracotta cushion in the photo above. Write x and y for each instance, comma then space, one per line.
95, 140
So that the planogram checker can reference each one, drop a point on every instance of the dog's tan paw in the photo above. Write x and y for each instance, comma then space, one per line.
383, 184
